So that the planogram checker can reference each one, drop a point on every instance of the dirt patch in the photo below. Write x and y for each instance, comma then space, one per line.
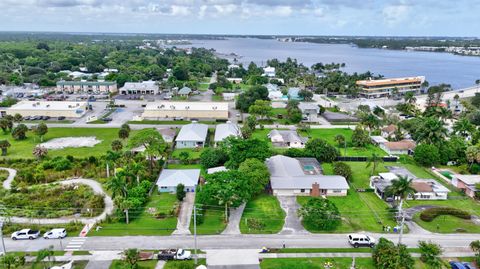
71, 142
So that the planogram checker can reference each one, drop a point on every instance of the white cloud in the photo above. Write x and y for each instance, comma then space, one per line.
395, 14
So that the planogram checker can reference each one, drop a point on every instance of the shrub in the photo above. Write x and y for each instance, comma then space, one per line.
320, 213
255, 224
343, 169
430, 214
427, 155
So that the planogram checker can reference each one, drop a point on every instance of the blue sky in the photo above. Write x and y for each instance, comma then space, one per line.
300, 17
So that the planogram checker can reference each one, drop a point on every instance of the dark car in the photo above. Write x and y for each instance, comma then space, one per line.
107, 119
61, 118
461, 265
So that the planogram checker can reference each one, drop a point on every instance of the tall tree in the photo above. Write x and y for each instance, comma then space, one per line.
463, 127
4, 145
40, 130
153, 142
374, 162
430, 130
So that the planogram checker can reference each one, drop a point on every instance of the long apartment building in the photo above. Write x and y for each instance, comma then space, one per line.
87, 86
386, 87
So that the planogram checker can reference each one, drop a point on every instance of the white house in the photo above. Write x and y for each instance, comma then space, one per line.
225, 130
302, 177
192, 135
287, 138
425, 189
274, 93
269, 71
170, 178
398, 147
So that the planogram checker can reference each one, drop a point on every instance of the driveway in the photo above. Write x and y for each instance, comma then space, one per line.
233, 226
292, 225
7, 184
183, 223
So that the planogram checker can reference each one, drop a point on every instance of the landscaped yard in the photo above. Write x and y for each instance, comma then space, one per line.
194, 154
312, 263
24, 148
214, 221
183, 264
116, 264
448, 224
76, 265
147, 222
266, 209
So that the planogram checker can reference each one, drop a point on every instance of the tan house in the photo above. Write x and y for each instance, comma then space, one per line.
389, 130
48, 108
287, 138
399, 147
466, 183
186, 110
87, 86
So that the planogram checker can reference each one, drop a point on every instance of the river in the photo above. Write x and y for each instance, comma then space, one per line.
459, 71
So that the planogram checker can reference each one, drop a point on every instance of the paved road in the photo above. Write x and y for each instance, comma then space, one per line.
450, 241
233, 226
292, 225
185, 215
97, 188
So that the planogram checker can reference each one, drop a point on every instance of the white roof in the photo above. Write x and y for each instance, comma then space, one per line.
190, 106
288, 136
287, 173
468, 179
225, 130
388, 176
193, 132
216, 169
48, 105
304, 106
145, 85
378, 139
269, 69
173, 177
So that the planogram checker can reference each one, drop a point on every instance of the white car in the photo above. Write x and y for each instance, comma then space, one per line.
55, 234
361, 240
25, 234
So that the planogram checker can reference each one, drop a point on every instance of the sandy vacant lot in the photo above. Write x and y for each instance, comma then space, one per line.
71, 142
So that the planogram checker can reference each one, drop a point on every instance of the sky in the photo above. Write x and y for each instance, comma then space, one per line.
259, 17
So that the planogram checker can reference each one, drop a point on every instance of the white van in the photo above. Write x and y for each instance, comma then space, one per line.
55, 234
358, 240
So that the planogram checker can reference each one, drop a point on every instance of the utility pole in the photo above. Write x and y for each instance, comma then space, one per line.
195, 232
401, 227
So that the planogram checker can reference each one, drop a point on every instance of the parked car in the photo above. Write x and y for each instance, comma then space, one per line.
358, 240
61, 118
461, 265
25, 234
55, 234
174, 254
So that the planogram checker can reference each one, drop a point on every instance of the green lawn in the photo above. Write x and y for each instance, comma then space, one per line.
193, 153
146, 223
315, 263
448, 224
356, 213
361, 174
28, 265
116, 264
183, 264
265, 208
329, 136
214, 221
24, 148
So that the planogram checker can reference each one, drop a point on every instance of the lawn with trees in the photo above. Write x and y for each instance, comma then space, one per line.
262, 215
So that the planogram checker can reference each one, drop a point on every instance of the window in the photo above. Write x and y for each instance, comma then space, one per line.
337, 191
163, 187
302, 190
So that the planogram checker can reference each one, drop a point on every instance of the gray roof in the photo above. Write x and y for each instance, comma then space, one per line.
145, 85
193, 132
288, 136
184, 90
173, 177
225, 130
308, 106
335, 116
287, 173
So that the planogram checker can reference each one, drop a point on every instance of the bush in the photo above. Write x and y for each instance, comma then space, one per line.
426, 155
212, 157
320, 214
343, 169
255, 224
430, 214
321, 150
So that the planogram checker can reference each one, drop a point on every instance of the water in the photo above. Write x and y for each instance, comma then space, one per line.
459, 71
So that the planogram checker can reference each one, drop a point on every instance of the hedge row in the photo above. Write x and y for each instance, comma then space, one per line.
431, 213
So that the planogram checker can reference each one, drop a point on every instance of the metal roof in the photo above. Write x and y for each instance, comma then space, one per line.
225, 130
193, 132
173, 177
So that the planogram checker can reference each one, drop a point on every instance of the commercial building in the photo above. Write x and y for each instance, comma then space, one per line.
303, 177
186, 110
145, 87
87, 86
48, 108
387, 87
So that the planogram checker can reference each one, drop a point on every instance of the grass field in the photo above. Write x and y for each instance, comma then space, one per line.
265, 208
448, 224
183, 264
315, 263
214, 221
146, 223
24, 148
29, 265
193, 153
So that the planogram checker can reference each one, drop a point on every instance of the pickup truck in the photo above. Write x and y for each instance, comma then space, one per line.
25, 234
174, 254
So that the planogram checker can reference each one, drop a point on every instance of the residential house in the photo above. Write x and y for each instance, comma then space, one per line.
269, 71
310, 111
287, 138
170, 178
302, 177
168, 134
378, 140
425, 189
389, 130
274, 92
225, 130
404, 147
193, 135
293, 94
216, 169
466, 183
229, 96
184, 92
145, 87
235, 80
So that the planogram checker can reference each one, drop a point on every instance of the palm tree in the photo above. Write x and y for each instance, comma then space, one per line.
463, 127
135, 168
371, 121
373, 162
117, 185
400, 188
410, 98
111, 157
431, 131
475, 246
340, 139
4, 145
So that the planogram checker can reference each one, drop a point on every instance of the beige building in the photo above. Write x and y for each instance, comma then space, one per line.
387, 87
186, 110
48, 108
87, 86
